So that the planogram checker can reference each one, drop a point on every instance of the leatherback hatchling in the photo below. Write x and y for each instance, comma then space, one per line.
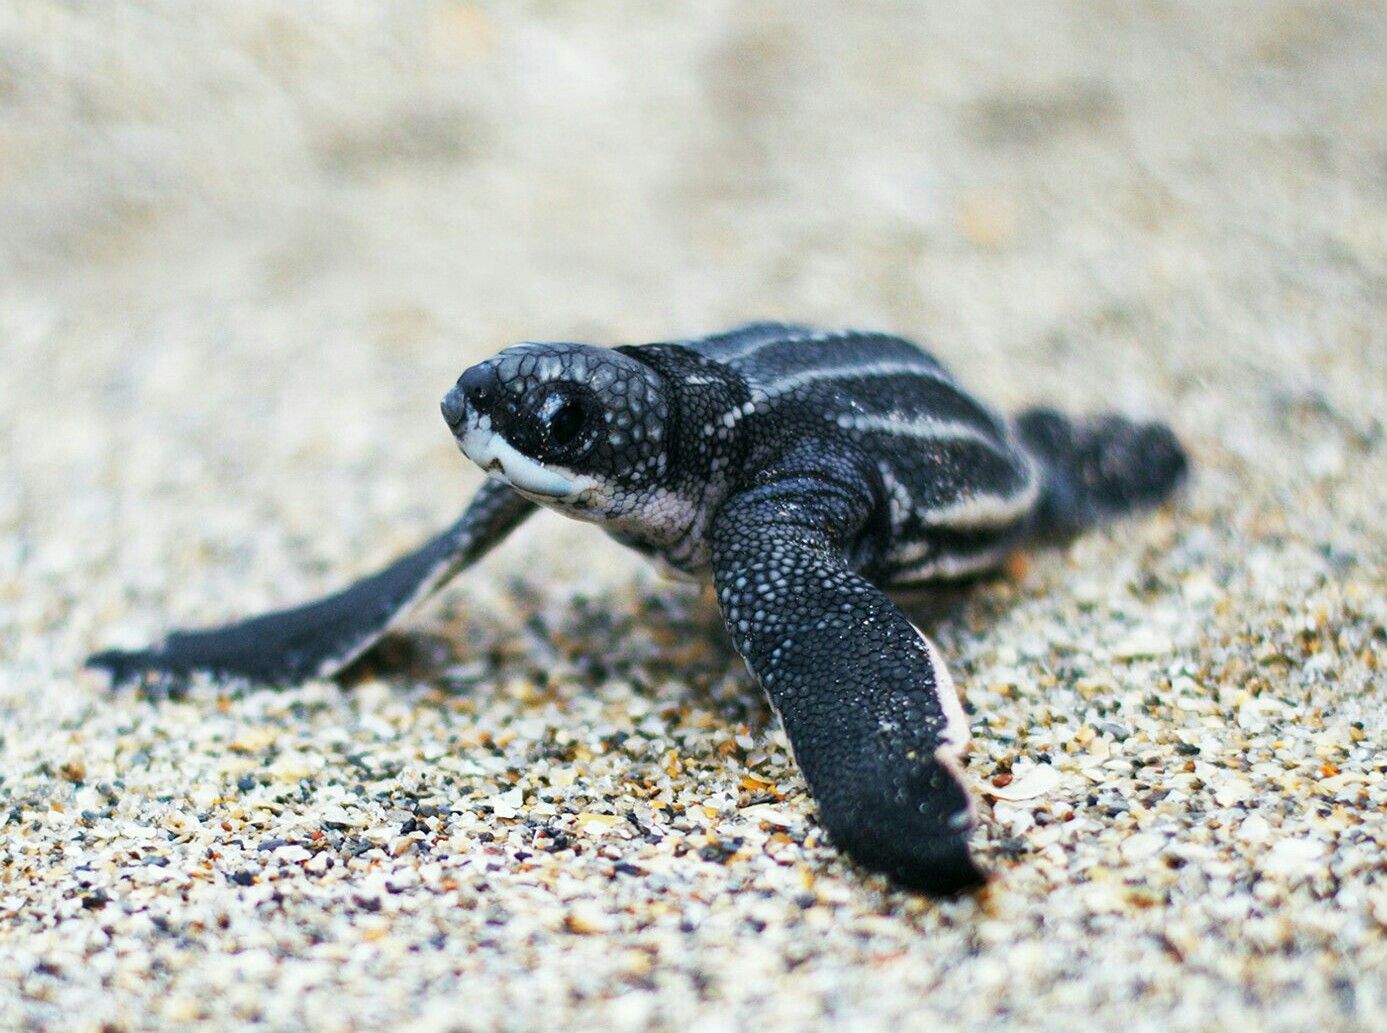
803, 472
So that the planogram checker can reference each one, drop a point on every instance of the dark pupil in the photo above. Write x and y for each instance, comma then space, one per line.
566, 423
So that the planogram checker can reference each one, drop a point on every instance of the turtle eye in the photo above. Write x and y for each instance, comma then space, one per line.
565, 424
562, 416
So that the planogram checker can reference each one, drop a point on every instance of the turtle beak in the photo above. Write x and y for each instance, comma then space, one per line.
454, 408
476, 390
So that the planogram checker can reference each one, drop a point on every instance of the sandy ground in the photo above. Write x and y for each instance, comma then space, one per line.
243, 252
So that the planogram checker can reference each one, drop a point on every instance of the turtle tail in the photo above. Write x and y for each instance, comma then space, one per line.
1097, 469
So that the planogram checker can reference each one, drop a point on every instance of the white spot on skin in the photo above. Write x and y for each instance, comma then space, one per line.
898, 497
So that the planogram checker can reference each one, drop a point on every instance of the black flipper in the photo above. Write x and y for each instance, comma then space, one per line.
320, 638
1097, 469
869, 709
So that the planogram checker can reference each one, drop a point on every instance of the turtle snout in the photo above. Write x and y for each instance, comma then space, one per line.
454, 408
476, 390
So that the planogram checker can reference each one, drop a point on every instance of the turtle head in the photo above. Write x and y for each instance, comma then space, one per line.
573, 427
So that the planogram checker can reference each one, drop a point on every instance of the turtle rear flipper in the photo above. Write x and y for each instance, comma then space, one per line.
319, 639
1097, 469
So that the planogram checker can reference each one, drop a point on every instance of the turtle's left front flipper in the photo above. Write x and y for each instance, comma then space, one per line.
319, 639
869, 708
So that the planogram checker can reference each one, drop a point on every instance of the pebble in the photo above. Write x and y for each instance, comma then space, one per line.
1038, 781
1143, 644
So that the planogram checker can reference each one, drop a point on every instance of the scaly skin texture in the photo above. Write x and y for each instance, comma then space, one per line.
803, 472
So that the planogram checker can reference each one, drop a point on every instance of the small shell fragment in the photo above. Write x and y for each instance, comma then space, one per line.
1038, 781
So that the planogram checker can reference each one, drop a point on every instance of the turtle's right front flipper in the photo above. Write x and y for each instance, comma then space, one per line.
319, 639
868, 706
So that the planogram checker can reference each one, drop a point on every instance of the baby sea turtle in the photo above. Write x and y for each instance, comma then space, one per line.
803, 472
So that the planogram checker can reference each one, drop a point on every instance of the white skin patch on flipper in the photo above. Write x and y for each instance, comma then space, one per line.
956, 734
497, 456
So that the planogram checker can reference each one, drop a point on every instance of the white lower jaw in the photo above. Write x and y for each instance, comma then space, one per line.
499, 458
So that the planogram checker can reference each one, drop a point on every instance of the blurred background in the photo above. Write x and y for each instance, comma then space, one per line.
245, 247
